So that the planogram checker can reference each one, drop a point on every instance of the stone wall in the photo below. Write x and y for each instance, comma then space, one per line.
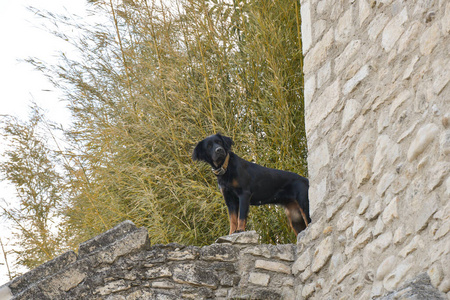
120, 264
378, 130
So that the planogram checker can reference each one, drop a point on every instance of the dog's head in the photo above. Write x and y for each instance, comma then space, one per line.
213, 149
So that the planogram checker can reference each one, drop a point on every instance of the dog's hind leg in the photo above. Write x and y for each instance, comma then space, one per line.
296, 215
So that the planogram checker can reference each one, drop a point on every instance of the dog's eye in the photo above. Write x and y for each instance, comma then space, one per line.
209, 145
219, 142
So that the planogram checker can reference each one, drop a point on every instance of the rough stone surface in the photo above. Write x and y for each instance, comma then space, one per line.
418, 288
377, 120
322, 254
424, 137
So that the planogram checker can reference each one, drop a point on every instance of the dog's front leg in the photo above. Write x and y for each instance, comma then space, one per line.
244, 205
232, 203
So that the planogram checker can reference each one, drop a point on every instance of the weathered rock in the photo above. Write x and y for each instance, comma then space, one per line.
385, 267
272, 266
196, 275
302, 262
348, 269
322, 254
219, 252
351, 84
425, 135
391, 211
242, 238
393, 279
47, 269
393, 30
418, 288
106, 238
259, 278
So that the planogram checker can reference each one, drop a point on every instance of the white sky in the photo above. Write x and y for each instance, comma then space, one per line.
22, 36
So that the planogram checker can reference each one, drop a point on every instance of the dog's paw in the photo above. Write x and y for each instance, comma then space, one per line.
238, 231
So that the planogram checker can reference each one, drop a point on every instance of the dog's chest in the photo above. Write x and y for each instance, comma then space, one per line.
230, 185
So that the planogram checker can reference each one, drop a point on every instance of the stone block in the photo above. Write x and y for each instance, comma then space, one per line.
113, 287
373, 249
257, 293
189, 253
219, 252
358, 226
374, 211
351, 110
310, 88
283, 252
195, 275
305, 13
47, 269
344, 26
323, 74
302, 262
259, 278
319, 158
363, 205
441, 75
106, 238
322, 254
385, 182
444, 142
305, 275
308, 290
425, 212
364, 11
376, 26
393, 30
409, 70
425, 135
158, 272
240, 239
348, 269
351, 84
66, 279
272, 266
391, 211
418, 288
319, 28
415, 243
393, 279
317, 55
379, 228
387, 152
429, 39
345, 220
162, 285
437, 175
132, 242
400, 99
386, 267
323, 105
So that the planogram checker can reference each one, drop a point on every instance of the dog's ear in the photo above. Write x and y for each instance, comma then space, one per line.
227, 142
198, 153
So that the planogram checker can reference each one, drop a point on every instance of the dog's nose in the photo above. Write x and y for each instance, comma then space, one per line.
219, 150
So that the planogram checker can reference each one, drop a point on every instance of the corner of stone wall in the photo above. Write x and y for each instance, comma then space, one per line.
378, 129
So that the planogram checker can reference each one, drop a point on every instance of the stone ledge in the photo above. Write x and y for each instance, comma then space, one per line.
242, 238
47, 269
106, 238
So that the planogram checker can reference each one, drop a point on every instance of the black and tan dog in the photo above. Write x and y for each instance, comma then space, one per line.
243, 183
